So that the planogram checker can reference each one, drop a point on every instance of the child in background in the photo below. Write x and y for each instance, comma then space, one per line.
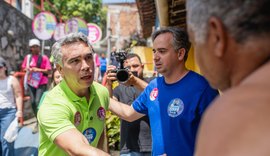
56, 76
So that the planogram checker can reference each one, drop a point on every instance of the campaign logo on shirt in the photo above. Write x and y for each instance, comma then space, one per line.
90, 134
154, 94
175, 107
101, 113
77, 118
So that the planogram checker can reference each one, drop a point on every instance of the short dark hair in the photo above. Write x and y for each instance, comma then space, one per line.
180, 38
131, 55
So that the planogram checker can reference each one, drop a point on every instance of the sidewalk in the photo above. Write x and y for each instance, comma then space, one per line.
26, 143
30, 122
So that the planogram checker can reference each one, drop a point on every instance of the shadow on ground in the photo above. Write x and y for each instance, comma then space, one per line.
26, 151
26, 143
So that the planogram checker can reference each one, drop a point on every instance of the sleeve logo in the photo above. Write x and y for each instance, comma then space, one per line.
154, 94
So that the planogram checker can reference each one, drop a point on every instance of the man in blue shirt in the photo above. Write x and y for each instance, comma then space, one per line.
174, 102
103, 64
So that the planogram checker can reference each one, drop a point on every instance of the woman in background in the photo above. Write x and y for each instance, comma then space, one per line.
56, 79
11, 105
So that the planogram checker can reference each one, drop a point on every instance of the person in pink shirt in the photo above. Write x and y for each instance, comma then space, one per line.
37, 68
97, 66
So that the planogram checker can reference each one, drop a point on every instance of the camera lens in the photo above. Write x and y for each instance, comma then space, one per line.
122, 75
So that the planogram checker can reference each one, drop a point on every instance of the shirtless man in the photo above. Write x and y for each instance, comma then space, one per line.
232, 47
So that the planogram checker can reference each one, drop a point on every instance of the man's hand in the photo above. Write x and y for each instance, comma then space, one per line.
35, 69
136, 82
28, 69
110, 76
32, 69
131, 80
74, 142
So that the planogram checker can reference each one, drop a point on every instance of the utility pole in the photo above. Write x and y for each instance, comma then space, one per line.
109, 45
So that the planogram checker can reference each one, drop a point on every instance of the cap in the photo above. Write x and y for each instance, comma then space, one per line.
2, 62
33, 42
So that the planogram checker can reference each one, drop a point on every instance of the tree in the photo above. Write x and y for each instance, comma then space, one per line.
89, 10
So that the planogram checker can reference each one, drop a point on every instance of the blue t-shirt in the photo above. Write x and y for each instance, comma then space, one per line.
175, 111
103, 64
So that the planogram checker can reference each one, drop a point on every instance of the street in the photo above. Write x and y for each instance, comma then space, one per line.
26, 143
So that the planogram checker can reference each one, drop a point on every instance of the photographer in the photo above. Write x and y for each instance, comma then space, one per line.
135, 136
113, 60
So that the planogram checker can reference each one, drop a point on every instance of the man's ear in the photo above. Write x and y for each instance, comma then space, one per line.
142, 66
60, 69
217, 36
181, 54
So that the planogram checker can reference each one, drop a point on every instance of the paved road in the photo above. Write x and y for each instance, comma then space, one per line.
26, 143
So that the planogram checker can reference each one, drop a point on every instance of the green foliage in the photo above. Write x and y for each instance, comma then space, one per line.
89, 10
134, 40
113, 130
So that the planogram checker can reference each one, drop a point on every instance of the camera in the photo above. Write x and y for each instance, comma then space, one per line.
122, 73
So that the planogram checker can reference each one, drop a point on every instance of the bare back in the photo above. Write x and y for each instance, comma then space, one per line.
238, 122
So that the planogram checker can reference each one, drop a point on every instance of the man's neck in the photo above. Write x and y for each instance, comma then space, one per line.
241, 67
176, 76
83, 92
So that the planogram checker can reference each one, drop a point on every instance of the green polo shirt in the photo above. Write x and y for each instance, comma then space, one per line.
62, 110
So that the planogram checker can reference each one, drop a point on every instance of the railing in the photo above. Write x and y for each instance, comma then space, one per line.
20, 77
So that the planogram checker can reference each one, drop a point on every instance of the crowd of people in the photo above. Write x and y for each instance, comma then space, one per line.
177, 113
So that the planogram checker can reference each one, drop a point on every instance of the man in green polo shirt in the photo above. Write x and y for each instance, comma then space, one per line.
72, 115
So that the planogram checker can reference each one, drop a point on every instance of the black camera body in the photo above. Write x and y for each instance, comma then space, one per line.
122, 73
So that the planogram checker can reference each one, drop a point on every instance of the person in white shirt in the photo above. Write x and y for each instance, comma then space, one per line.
11, 105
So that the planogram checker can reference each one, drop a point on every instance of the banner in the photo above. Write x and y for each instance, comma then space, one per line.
59, 31
43, 25
76, 25
94, 33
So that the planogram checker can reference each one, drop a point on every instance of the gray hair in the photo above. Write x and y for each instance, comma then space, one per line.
241, 18
68, 39
180, 38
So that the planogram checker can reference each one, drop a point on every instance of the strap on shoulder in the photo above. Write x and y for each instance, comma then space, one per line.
39, 61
